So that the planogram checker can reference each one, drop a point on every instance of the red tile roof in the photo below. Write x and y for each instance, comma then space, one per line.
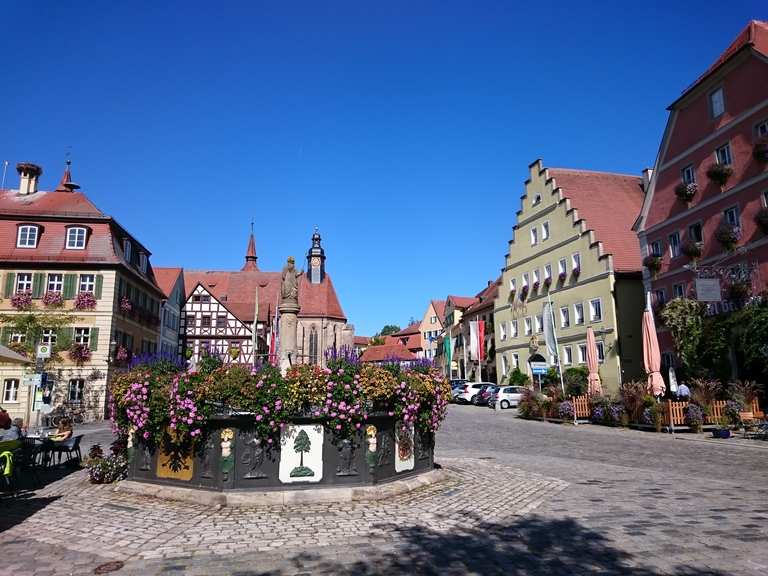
362, 340
386, 352
754, 35
485, 298
237, 291
462, 302
412, 340
414, 328
54, 204
439, 306
610, 204
166, 279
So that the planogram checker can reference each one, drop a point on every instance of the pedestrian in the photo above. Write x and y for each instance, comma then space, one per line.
9, 431
5, 419
683, 392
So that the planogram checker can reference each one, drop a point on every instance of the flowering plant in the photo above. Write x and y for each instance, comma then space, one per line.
653, 263
576, 272
536, 285
379, 385
125, 305
85, 301
732, 411
692, 249
121, 354
344, 408
52, 299
185, 411
548, 281
107, 470
305, 387
719, 173
694, 417
22, 300
79, 353
524, 292
565, 410
728, 235
561, 277
686, 192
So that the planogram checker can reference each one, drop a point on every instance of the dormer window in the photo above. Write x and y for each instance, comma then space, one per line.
142, 262
76, 238
127, 250
27, 237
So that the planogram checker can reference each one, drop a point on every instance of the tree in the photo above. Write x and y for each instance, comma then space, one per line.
301, 445
684, 318
31, 325
389, 329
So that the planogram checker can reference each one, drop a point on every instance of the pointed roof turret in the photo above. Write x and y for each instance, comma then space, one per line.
250, 254
66, 184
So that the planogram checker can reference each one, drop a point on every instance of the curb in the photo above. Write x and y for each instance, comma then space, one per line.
283, 497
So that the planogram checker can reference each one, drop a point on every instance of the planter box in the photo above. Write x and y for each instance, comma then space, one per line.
232, 457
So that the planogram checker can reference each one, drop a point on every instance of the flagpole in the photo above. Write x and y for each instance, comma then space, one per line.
557, 346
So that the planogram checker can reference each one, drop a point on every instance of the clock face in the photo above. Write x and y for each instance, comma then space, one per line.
315, 261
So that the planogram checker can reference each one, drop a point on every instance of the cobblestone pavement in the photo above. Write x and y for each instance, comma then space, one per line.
521, 498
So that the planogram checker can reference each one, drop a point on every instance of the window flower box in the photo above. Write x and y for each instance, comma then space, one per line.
52, 299
653, 263
22, 301
548, 281
536, 285
692, 249
523, 292
85, 301
761, 219
576, 272
79, 354
125, 305
719, 174
728, 235
686, 192
760, 151
561, 277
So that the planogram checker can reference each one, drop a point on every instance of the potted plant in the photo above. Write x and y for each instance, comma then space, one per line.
548, 281
686, 192
52, 299
125, 305
576, 271
728, 235
692, 249
694, 417
761, 219
653, 263
524, 292
561, 277
760, 151
79, 353
723, 429
22, 301
85, 301
719, 174
536, 285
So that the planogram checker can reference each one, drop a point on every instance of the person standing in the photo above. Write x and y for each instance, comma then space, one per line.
683, 392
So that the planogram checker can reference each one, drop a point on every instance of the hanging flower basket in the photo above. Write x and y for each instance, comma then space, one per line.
761, 219
85, 301
536, 285
561, 277
719, 173
692, 249
728, 236
22, 300
52, 299
125, 305
79, 353
548, 281
121, 354
653, 263
576, 272
686, 192
760, 151
523, 292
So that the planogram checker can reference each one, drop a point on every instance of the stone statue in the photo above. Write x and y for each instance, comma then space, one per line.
289, 289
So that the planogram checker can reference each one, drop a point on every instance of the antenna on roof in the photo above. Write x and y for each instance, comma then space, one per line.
251, 224
5, 169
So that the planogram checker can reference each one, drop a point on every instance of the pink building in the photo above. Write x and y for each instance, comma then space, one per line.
705, 215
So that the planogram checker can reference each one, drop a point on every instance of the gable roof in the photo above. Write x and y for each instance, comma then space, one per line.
362, 340
485, 298
609, 204
439, 308
386, 352
166, 279
414, 328
49, 204
461, 302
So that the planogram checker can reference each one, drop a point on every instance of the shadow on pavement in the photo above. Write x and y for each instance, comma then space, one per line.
14, 509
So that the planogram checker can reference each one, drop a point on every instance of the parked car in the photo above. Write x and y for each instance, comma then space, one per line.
468, 393
485, 392
506, 396
457, 387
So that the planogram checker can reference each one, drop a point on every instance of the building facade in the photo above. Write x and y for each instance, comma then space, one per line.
709, 190
482, 310
573, 244
84, 283
454, 330
171, 282
431, 328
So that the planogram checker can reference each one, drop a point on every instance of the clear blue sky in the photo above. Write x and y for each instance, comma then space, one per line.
402, 129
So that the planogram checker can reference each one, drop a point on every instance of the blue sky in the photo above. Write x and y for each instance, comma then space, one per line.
402, 129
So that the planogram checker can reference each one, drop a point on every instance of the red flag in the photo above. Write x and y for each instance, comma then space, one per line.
481, 337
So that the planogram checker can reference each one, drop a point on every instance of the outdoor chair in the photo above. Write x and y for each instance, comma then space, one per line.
69, 447
26, 461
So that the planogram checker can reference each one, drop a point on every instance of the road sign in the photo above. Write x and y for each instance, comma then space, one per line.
539, 368
43, 350
32, 379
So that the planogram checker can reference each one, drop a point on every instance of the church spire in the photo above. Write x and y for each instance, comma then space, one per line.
316, 260
250, 254
66, 184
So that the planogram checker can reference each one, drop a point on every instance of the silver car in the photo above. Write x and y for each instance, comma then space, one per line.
506, 397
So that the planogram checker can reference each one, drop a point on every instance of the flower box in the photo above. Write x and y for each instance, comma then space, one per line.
52, 299
653, 263
79, 353
692, 249
523, 292
125, 305
536, 285
728, 235
761, 219
548, 281
85, 301
576, 272
719, 174
686, 192
22, 301
561, 277
760, 151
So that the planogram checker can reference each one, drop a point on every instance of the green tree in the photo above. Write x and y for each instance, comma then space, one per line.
301, 445
389, 329
684, 318
32, 323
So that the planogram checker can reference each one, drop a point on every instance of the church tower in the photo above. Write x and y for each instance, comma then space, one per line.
316, 260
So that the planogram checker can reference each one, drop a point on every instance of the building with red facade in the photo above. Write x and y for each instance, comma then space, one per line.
702, 228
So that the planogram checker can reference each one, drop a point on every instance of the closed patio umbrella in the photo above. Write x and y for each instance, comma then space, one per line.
651, 354
593, 378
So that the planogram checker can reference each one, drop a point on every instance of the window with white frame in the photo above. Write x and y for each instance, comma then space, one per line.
526, 280
433, 319
48, 336
688, 174
595, 310
656, 248
18, 337
567, 355
512, 285
582, 353
600, 352
76, 238
578, 313
539, 323
565, 317
678, 290
11, 390
27, 237
576, 260
545, 231
514, 332
695, 233
536, 276
55, 282
24, 282
761, 130
562, 266
547, 271
504, 365
716, 103
515, 360
76, 389
502, 331
674, 244
731, 216
723, 155
534, 236
82, 336
537, 199
765, 198
528, 326
87, 282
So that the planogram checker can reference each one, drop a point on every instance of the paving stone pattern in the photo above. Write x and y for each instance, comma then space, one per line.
521, 498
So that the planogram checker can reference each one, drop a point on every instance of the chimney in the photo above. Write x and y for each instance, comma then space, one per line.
29, 175
647, 173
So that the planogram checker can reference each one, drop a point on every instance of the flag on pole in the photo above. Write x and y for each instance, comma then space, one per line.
549, 329
473, 341
481, 340
448, 351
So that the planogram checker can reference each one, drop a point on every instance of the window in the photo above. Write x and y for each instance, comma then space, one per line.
76, 238
689, 174
537, 199
545, 231
723, 155
731, 216
678, 290
695, 232
512, 287
82, 336
660, 297
24, 282
504, 365
18, 337
514, 329
205, 298
528, 326
143, 262
761, 130
502, 331
11, 390
27, 237
534, 236
656, 248
127, 250
595, 310
548, 272
55, 282
525, 280
578, 313
582, 353
433, 320
76, 389
221, 321
765, 198
515, 360
565, 317
600, 352
562, 266
48, 337
539, 323
674, 244
536, 276
716, 103
87, 283
205, 321
576, 260
567, 355
189, 319
667, 360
